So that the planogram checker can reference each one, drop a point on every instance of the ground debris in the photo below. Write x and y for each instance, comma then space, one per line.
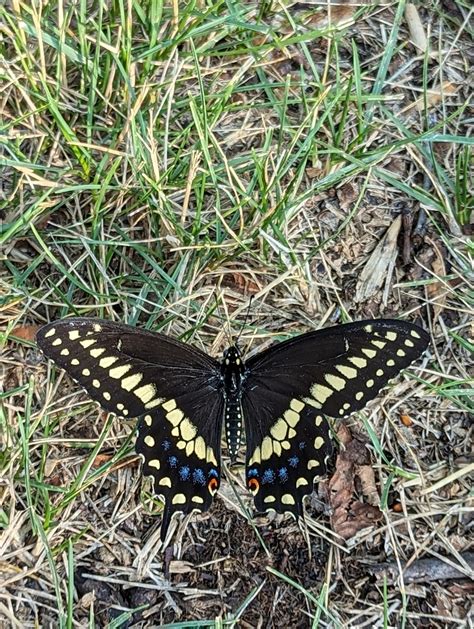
424, 570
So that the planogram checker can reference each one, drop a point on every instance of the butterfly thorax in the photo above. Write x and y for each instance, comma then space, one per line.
233, 376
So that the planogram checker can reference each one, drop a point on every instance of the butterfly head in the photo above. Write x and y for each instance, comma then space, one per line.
233, 358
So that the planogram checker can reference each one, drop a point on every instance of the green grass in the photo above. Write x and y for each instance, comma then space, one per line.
160, 162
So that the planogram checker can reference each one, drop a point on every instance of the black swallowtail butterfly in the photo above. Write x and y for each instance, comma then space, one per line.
281, 395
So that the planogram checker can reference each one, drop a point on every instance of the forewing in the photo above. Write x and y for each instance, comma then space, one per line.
128, 371
290, 387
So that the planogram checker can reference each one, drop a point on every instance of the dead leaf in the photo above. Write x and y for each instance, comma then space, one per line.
406, 420
100, 459
376, 271
177, 566
240, 283
313, 172
25, 332
367, 481
432, 97
349, 514
346, 194
415, 26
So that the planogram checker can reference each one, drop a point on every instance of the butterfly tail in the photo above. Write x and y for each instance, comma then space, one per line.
166, 520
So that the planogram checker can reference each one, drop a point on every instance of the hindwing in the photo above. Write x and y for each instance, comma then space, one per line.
184, 464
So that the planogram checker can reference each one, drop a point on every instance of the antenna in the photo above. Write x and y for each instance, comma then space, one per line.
245, 320
226, 329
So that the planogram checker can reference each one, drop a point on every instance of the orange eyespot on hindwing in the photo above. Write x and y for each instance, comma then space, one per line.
254, 485
213, 485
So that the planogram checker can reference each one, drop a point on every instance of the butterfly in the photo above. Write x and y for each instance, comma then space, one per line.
279, 398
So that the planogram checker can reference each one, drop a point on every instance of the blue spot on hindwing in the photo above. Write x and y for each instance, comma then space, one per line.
302, 445
293, 461
252, 473
268, 476
213, 473
184, 472
166, 444
173, 461
283, 474
199, 477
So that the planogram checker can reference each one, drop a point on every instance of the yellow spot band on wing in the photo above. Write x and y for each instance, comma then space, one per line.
95, 353
297, 405
291, 417
279, 430
200, 448
145, 393
188, 430
335, 382
117, 372
169, 405
87, 343
107, 362
266, 448
358, 362
321, 393
348, 372
132, 381
174, 416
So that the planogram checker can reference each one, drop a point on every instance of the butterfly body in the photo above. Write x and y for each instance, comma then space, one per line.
233, 377
185, 399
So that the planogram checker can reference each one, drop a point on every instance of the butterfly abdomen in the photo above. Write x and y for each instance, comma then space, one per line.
233, 376
233, 425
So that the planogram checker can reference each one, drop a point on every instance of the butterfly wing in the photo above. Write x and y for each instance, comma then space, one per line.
175, 388
291, 387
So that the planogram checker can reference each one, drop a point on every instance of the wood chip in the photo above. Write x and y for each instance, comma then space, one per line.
437, 291
424, 570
